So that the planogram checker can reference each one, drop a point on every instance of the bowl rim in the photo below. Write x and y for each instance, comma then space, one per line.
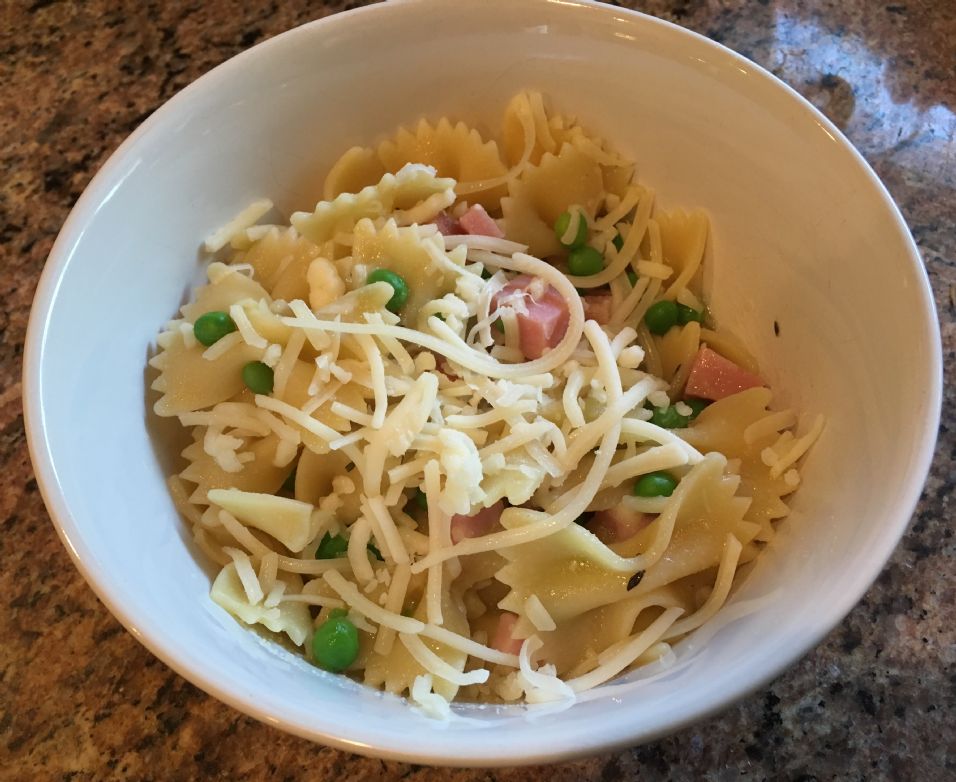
71, 535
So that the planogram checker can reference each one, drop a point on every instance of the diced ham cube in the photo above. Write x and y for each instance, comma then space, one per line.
545, 321
503, 641
477, 221
447, 225
597, 307
619, 523
713, 377
477, 525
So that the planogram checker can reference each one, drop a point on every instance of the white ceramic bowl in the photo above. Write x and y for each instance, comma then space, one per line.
804, 234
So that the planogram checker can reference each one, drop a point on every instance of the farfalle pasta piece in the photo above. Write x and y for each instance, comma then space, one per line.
315, 480
296, 395
721, 426
293, 619
676, 350
190, 382
260, 474
227, 286
280, 262
568, 132
529, 132
410, 251
396, 671
617, 179
266, 322
581, 639
526, 132
572, 571
733, 426
545, 191
616, 171
358, 167
412, 185
711, 510
683, 239
456, 151
315, 472
287, 520
683, 236
524, 223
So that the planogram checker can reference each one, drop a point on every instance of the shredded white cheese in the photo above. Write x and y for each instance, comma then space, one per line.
245, 219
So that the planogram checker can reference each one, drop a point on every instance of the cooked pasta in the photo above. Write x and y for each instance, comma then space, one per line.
466, 430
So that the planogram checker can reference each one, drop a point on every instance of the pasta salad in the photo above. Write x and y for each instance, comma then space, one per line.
467, 430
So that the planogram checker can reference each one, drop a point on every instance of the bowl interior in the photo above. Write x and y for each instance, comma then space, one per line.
803, 234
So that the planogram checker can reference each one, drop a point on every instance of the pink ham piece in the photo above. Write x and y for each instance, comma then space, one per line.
475, 526
503, 641
713, 377
545, 322
597, 307
477, 221
618, 523
447, 225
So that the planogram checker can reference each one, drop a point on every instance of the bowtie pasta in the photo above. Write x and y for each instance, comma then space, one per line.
466, 430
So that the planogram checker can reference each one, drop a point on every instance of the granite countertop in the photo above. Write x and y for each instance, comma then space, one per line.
80, 699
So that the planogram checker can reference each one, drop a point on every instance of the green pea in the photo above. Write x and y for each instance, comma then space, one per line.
561, 226
331, 546
212, 327
697, 405
399, 287
655, 484
585, 261
258, 377
661, 316
618, 242
632, 277
669, 418
335, 644
420, 499
335, 613
686, 314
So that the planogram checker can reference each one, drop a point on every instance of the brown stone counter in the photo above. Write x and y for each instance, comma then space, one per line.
80, 699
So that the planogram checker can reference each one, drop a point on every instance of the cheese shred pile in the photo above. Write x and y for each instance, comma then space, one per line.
417, 411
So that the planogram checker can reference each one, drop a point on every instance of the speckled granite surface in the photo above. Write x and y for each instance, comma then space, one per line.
81, 699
